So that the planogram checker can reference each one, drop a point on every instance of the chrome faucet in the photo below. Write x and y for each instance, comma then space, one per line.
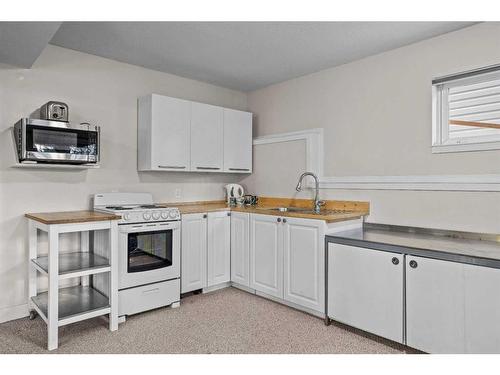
317, 202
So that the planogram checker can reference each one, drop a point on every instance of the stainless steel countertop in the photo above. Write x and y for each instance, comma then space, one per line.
463, 247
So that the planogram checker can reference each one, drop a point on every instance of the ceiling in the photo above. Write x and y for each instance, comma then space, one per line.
238, 55
22, 42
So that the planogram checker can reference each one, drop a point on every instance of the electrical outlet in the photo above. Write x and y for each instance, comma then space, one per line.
178, 193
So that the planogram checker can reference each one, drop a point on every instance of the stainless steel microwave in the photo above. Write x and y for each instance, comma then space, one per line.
56, 142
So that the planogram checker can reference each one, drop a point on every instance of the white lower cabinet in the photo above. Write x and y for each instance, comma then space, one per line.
435, 305
482, 309
304, 262
287, 259
193, 252
452, 307
205, 250
240, 248
266, 254
365, 289
219, 248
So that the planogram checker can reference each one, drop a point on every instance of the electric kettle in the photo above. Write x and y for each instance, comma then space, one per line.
234, 191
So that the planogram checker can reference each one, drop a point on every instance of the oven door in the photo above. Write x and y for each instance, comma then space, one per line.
148, 253
53, 141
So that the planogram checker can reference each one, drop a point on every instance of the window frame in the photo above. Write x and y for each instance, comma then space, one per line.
440, 114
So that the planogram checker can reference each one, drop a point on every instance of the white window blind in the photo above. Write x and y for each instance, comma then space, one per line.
467, 111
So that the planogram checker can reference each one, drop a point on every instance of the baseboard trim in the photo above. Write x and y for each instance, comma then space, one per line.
14, 312
243, 288
213, 288
279, 300
307, 310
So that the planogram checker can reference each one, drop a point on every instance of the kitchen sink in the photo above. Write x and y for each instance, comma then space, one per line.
305, 210
290, 209
286, 209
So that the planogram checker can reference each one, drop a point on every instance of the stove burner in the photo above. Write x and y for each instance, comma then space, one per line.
150, 206
118, 208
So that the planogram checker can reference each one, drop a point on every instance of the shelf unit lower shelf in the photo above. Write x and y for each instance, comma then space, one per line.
75, 264
75, 304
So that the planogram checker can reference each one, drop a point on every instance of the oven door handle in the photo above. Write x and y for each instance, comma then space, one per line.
150, 227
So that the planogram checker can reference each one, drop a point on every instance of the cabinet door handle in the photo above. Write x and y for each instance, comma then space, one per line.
171, 167
208, 168
205, 216
413, 264
395, 261
239, 169
229, 214
278, 220
284, 220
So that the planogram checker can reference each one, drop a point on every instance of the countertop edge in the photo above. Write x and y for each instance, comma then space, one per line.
263, 211
89, 219
415, 251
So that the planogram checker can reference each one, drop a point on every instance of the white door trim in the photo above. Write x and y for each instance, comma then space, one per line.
314, 145
314, 162
484, 183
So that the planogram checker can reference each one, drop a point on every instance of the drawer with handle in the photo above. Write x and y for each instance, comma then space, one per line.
148, 297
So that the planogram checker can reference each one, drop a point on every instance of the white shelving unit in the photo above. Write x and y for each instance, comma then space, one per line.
94, 267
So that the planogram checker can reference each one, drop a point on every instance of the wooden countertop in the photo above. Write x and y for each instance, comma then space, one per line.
332, 211
69, 217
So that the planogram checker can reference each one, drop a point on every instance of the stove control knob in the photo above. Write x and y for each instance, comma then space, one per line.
156, 215
126, 217
173, 214
146, 216
164, 215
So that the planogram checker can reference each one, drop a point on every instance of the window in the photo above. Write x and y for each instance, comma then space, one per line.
466, 111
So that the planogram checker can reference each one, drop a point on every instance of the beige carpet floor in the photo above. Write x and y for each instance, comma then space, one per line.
225, 321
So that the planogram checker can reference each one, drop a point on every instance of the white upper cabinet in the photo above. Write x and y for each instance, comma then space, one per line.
163, 133
206, 138
185, 136
237, 141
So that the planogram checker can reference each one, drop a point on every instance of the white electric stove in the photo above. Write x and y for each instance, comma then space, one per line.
148, 251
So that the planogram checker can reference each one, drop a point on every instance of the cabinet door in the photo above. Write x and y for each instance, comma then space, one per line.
266, 254
482, 309
435, 305
237, 141
304, 262
206, 138
240, 247
365, 289
193, 252
219, 249
170, 133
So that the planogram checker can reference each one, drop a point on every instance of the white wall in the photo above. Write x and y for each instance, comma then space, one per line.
99, 91
376, 116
